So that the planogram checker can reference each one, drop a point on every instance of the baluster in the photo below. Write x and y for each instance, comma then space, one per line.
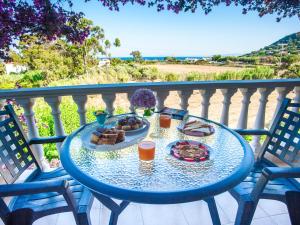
297, 97
131, 107
243, 119
80, 101
2, 104
109, 99
54, 103
227, 95
161, 96
27, 105
260, 117
184, 98
282, 92
205, 97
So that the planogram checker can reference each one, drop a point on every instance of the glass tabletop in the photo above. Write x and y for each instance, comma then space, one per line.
122, 169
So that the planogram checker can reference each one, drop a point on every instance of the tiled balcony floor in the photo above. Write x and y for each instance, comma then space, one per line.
196, 213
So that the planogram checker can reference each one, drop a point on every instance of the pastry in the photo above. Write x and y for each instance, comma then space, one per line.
95, 137
107, 136
129, 123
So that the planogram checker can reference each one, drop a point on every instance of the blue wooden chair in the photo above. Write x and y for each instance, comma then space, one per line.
277, 164
293, 205
42, 193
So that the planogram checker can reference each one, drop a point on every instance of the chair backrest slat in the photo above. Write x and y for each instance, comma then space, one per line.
15, 153
284, 142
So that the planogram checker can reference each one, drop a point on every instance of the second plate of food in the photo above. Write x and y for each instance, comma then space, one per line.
196, 128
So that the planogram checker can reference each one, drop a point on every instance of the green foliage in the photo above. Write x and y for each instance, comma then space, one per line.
137, 56
115, 61
293, 71
117, 42
259, 72
33, 78
170, 59
171, 77
9, 81
216, 58
60, 59
2, 69
290, 59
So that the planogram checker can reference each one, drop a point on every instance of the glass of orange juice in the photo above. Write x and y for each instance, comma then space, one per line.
165, 121
146, 150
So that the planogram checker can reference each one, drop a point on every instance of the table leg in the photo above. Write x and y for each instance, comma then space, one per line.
213, 210
116, 209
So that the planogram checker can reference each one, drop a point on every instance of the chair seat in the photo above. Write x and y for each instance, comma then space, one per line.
275, 189
52, 201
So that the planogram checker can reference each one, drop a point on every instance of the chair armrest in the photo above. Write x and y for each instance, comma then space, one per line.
278, 172
36, 187
271, 173
252, 132
46, 140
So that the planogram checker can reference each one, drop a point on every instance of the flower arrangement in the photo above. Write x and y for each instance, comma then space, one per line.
145, 99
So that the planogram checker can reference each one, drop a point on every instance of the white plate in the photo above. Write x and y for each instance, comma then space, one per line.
112, 122
129, 139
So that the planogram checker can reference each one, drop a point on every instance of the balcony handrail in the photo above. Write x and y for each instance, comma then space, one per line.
155, 86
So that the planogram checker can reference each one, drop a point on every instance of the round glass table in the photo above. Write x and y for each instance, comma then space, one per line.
121, 175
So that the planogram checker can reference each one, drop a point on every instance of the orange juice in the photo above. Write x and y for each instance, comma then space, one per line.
146, 150
165, 121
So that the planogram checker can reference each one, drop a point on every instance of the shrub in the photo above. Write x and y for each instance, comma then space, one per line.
171, 77
34, 78
115, 61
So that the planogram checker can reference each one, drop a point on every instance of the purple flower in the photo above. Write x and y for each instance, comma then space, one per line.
143, 98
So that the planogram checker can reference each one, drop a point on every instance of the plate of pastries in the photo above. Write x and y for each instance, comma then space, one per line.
196, 128
118, 132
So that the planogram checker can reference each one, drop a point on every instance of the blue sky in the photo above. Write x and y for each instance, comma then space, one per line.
224, 31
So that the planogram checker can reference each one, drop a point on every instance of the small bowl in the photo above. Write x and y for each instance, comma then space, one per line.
101, 116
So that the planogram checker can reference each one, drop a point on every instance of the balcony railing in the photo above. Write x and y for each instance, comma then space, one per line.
108, 92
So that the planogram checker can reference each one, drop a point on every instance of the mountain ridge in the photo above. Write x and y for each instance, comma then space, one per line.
289, 44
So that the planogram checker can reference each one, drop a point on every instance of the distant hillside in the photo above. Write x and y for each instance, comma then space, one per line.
289, 44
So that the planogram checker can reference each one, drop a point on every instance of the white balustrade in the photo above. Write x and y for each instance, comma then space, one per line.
52, 95
109, 99
297, 97
227, 95
243, 119
131, 108
54, 103
260, 116
80, 101
2, 104
282, 92
161, 96
184, 98
27, 105
206, 94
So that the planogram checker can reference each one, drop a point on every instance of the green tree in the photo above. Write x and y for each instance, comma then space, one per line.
137, 56
216, 58
60, 59
117, 42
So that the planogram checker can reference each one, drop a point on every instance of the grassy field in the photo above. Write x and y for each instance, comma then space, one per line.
184, 69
